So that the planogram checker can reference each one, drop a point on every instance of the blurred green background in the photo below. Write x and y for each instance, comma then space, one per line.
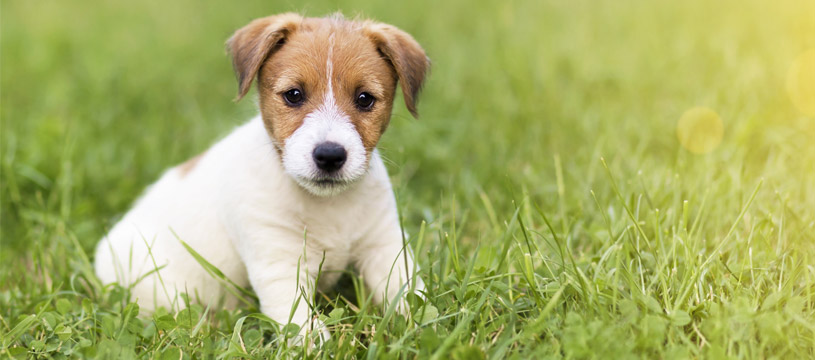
523, 100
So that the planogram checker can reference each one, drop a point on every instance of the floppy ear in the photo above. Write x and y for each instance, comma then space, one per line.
253, 43
406, 56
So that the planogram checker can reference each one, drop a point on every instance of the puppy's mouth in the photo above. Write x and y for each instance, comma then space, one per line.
328, 182
324, 185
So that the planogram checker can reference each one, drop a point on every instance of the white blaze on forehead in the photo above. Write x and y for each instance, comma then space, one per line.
329, 109
334, 121
329, 71
328, 123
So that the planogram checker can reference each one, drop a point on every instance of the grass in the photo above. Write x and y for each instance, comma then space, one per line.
554, 211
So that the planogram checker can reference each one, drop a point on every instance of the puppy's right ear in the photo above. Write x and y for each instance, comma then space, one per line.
253, 43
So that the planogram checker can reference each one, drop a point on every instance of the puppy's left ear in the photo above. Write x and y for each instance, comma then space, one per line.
255, 42
407, 57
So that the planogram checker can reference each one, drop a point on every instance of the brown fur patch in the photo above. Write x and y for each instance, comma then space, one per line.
190, 164
406, 56
251, 45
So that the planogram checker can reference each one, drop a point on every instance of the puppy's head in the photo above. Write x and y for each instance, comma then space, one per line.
326, 89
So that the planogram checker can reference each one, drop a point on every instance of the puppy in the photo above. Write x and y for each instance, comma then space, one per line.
298, 191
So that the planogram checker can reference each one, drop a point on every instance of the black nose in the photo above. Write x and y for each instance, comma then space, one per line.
329, 156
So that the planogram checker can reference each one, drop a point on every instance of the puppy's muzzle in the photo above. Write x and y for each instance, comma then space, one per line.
329, 156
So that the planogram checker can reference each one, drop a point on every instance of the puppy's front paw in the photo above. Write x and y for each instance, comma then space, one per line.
418, 291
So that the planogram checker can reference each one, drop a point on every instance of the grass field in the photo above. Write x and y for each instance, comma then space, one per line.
555, 211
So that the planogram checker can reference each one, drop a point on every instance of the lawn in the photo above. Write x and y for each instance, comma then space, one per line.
565, 188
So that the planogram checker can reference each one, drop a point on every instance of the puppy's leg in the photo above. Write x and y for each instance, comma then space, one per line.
284, 286
387, 266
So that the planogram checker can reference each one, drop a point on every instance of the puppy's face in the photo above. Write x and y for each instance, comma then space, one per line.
326, 90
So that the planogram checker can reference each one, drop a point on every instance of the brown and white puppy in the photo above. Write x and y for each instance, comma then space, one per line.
300, 185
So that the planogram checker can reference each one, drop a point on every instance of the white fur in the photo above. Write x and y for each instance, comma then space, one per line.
241, 211
326, 124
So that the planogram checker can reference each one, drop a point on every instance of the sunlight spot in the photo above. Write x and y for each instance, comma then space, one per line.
700, 130
801, 82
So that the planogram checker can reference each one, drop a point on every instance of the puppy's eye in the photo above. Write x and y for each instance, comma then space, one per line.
293, 97
365, 101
